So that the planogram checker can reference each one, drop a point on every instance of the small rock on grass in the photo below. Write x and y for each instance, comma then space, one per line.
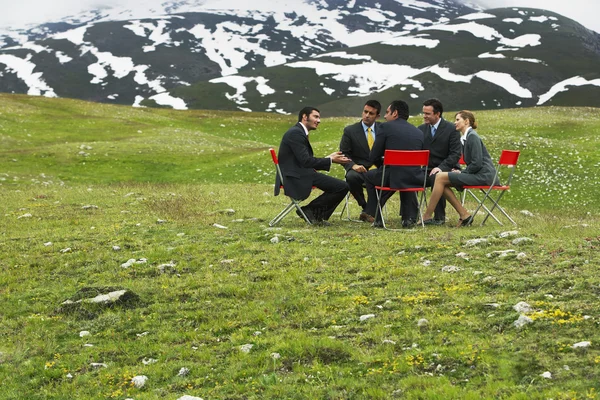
522, 307
139, 381
84, 333
219, 226
450, 268
522, 321
527, 213
546, 375
582, 345
475, 242
508, 234
183, 371
522, 240
188, 397
366, 317
245, 348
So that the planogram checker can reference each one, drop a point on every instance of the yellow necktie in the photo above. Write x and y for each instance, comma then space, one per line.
370, 138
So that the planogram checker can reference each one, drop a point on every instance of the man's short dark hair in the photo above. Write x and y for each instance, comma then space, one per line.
401, 107
436, 104
306, 111
375, 104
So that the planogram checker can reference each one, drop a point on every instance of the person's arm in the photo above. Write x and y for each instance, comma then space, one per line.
454, 151
298, 143
346, 148
474, 160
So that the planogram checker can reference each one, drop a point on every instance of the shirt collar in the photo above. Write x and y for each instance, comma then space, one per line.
367, 127
303, 127
463, 138
436, 126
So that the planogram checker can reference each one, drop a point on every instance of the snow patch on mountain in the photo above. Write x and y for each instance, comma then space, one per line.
239, 84
23, 68
562, 86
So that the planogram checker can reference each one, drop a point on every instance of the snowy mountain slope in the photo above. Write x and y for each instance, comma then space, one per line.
270, 56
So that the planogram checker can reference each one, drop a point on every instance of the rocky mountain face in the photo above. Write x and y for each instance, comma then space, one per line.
330, 53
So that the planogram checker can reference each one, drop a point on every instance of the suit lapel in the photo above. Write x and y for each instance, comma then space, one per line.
362, 139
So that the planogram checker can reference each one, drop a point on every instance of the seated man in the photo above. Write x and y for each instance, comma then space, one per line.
443, 142
395, 134
356, 144
298, 166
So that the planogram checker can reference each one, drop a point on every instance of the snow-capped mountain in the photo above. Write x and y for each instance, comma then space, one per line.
273, 56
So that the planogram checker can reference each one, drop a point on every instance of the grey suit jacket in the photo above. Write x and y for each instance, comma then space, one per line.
354, 145
444, 148
298, 164
480, 167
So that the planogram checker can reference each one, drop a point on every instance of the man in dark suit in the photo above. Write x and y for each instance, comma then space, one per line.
443, 142
395, 134
356, 144
299, 169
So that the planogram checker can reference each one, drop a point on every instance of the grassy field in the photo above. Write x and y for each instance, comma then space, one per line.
292, 312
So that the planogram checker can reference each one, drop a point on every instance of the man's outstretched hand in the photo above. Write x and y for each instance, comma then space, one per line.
339, 158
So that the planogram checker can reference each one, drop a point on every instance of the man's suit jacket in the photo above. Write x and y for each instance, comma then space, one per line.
298, 164
444, 148
355, 146
399, 135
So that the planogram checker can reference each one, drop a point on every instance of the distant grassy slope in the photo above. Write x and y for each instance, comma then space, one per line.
153, 187
75, 142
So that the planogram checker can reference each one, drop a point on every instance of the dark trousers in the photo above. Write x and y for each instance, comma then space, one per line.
334, 191
409, 205
440, 208
356, 181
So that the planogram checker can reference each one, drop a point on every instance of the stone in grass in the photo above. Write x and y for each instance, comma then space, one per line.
275, 239
168, 267
501, 253
149, 361
527, 213
450, 268
98, 365
582, 345
547, 375
508, 234
475, 242
183, 371
139, 381
28, 215
522, 240
90, 207
245, 348
88, 302
521, 256
84, 333
188, 397
366, 317
219, 226
422, 323
522, 307
522, 321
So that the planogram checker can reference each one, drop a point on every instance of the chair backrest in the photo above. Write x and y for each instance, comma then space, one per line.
406, 158
276, 162
274, 156
509, 157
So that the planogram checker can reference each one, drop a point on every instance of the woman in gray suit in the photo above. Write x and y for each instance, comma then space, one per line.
480, 170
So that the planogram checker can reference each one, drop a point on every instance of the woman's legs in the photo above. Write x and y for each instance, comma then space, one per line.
440, 184
441, 187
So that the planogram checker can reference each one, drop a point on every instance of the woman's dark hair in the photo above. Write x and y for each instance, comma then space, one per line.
466, 114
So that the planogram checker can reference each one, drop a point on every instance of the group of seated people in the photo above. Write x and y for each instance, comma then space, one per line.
361, 153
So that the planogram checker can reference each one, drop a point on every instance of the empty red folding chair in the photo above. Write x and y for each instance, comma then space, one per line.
404, 158
293, 204
508, 159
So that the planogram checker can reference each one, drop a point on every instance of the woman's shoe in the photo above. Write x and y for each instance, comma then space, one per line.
465, 222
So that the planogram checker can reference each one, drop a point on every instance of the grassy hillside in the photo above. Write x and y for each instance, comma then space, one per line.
78, 179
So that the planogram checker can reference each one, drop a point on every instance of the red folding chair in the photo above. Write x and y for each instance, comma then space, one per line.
403, 158
293, 204
508, 159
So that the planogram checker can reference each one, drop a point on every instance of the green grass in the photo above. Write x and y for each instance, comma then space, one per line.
302, 297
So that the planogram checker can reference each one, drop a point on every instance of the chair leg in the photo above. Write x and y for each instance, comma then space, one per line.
480, 205
496, 205
286, 211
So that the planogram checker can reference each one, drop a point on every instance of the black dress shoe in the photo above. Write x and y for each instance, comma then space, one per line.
377, 224
466, 222
439, 221
429, 221
309, 214
323, 223
408, 223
